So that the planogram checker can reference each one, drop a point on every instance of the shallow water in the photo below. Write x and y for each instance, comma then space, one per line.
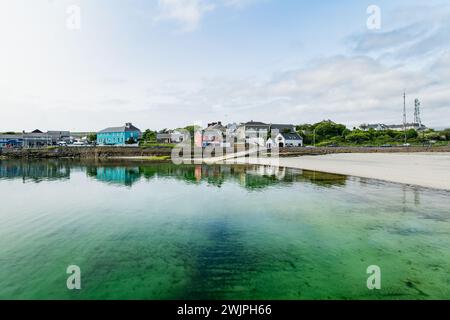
160, 231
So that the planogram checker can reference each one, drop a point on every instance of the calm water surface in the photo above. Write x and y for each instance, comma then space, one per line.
160, 231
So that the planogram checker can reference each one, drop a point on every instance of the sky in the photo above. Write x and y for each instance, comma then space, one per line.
83, 65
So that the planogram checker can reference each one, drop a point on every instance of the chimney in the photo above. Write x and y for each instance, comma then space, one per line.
128, 124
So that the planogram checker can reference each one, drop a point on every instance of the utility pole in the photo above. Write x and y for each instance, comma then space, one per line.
404, 115
314, 136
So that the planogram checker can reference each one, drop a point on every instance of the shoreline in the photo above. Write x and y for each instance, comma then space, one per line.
428, 170
424, 167
132, 152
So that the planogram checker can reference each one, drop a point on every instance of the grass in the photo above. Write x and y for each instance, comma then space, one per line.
412, 142
156, 145
154, 158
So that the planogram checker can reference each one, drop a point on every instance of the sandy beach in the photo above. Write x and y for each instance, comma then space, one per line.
431, 170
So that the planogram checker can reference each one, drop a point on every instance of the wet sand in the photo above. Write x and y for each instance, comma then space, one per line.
431, 170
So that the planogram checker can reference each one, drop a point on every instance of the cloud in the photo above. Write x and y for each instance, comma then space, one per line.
189, 13
351, 90
423, 35
240, 3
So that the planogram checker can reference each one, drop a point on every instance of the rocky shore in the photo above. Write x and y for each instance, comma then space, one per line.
128, 152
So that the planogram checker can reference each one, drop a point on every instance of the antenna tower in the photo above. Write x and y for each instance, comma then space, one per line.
404, 115
417, 119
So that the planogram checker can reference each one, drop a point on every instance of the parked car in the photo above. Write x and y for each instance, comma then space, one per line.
62, 143
79, 144
407, 145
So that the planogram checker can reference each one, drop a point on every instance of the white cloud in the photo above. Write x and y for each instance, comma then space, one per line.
240, 3
351, 90
425, 34
187, 13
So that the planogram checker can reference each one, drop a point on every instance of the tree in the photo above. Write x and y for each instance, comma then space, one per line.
411, 134
446, 133
358, 136
92, 137
327, 129
304, 128
192, 129
432, 135
149, 135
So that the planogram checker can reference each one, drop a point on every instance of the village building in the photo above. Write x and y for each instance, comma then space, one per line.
119, 136
11, 140
394, 127
59, 136
214, 135
253, 132
172, 136
36, 139
285, 140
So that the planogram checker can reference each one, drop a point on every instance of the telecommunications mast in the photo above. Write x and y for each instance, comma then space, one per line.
404, 115
417, 119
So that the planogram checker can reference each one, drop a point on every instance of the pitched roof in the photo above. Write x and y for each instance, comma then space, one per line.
256, 123
128, 127
10, 136
281, 127
216, 126
291, 136
163, 136
58, 133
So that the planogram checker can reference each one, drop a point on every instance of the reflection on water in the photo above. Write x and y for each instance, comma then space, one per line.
34, 171
161, 231
127, 174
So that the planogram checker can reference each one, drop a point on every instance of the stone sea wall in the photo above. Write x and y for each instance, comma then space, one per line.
84, 152
113, 152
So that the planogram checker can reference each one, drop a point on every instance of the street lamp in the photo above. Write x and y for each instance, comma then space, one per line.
314, 136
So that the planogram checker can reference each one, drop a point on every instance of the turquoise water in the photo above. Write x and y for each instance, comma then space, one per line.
160, 231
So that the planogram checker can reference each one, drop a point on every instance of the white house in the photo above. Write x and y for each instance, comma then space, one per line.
284, 140
270, 143
254, 133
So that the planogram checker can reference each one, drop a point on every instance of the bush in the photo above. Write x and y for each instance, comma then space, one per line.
446, 133
411, 134
358, 136
434, 136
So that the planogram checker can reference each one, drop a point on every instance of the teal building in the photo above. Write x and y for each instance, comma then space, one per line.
118, 136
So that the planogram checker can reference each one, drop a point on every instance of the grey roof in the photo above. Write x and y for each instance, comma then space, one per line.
256, 123
370, 125
291, 136
35, 135
281, 127
10, 136
126, 128
216, 126
253, 125
59, 133
406, 124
